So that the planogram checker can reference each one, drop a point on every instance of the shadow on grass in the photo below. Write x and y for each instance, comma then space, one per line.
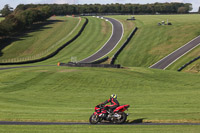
36, 27
137, 121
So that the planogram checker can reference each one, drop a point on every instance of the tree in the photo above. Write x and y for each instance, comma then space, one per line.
182, 10
10, 26
6, 10
199, 10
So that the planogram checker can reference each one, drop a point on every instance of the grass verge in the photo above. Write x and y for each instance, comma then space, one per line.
100, 129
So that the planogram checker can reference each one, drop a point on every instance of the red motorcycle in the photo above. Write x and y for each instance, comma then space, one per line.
102, 113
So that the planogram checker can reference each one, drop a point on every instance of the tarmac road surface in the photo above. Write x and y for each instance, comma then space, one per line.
115, 38
171, 58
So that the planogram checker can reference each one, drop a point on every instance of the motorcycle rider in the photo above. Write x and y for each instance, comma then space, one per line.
114, 103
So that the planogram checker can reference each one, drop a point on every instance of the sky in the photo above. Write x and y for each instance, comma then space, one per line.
14, 3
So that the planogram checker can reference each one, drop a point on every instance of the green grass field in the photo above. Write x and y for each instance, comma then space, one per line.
100, 129
64, 94
152, 42
70, 94
1, 18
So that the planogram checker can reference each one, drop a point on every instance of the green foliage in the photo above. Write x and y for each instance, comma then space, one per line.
10, 26
182, 10
64, 9
6, 10
199, 10
21, 19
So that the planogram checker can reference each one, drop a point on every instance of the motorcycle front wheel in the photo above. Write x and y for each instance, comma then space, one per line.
121, 119
94, 119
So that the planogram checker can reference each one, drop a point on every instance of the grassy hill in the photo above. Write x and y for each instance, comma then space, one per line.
152, 42
37, 44
70, 94
95, 35
42, 40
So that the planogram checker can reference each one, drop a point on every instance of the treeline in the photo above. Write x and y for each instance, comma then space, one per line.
24, 16
20, 20
162, 8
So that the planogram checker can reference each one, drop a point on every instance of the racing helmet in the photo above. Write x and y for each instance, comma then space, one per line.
113, 96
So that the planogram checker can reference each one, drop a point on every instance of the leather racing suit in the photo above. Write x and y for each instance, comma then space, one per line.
114, 103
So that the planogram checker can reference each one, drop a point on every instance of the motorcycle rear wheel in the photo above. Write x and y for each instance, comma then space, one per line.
122, 119
94, 119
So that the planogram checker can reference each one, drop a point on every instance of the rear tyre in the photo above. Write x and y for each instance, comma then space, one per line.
94, 119
122, 119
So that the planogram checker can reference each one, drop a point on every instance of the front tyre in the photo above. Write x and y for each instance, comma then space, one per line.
94, 119
121, 119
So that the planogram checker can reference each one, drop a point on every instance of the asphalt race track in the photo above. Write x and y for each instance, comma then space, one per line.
171, 58
115, 38
78, 123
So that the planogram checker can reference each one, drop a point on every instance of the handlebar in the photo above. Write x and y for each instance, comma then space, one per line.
100, 106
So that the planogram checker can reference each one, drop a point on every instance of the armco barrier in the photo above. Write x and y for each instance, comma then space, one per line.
71, 64
52, 54
184, 66
123, 46
100, 61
